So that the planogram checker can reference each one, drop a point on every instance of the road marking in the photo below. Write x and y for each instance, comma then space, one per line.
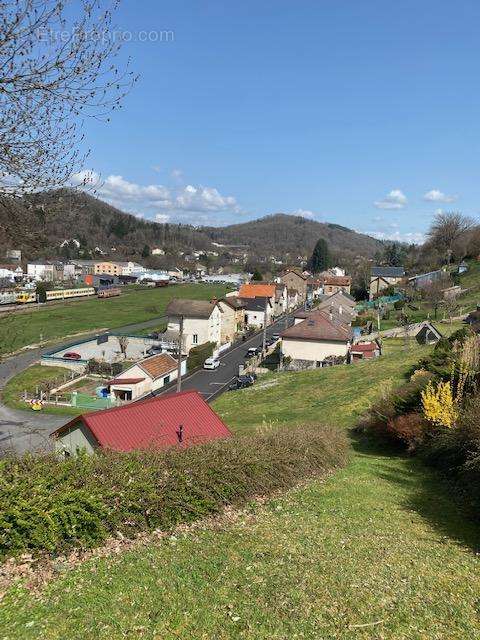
220, 383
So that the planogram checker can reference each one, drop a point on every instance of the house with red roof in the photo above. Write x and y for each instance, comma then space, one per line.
176, 419
364, 351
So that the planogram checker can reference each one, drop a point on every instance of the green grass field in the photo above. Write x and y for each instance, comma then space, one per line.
29, 380
378, 550
133, 306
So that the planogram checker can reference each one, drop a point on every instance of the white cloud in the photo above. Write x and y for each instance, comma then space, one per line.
162, 217
176, 174
396, 199
397, 236
434, 195
304, 213
156, 199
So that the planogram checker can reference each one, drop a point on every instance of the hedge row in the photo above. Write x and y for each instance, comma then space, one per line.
52, 505
199, 354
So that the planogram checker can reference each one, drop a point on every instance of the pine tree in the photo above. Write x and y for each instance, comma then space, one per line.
320, 258
257, 276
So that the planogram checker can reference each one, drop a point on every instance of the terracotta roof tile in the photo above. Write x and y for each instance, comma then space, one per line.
159, 365
257, 291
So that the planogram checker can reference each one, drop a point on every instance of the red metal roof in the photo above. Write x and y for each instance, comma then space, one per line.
153, 423
363, 347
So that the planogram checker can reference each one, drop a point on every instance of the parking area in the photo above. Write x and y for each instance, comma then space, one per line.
106, 348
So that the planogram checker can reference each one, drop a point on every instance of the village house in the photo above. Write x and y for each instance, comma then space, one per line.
314, 340
202, 322
258, 290
295, 279
84, 267
108, 268
145, 376
258, 312
293, 299
51, 271
281, 299
341, 304
233, 318
175, 419
383, 277
364, 351
314, 289
333, 284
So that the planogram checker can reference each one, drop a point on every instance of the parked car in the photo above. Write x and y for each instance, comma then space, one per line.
211, 363
240, 382
252, 377
71, 355
253, 351
276, 336
153, 351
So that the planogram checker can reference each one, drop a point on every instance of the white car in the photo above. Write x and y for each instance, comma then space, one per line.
211, 363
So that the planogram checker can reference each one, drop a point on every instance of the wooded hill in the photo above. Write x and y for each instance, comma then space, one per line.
39, 223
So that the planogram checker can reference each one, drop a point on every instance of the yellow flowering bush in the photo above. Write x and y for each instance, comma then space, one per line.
439, 406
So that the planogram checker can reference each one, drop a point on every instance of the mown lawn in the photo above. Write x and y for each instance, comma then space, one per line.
378, 550
29, 380
337, 395
18, 330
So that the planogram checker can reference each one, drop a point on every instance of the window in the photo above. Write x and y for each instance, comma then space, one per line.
195, 338
166, 380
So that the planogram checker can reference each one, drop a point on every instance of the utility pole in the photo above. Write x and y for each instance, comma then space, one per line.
179, 363
264, 341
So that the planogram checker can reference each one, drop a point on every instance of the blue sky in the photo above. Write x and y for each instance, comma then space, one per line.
361, 113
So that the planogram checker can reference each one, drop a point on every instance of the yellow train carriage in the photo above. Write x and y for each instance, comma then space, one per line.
26, 296
62, 294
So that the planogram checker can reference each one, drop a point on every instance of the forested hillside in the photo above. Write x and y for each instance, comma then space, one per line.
40, 223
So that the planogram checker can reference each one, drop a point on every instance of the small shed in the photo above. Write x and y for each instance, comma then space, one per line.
175, 419
428, 334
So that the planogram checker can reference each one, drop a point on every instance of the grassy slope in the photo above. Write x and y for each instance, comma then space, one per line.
17, 331
378, 544
28, 380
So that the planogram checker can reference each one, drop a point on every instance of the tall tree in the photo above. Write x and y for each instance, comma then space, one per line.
257, 276
55, 70
447, 229
320, 258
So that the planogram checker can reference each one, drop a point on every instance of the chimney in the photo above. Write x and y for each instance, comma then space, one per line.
180, 433
340, 309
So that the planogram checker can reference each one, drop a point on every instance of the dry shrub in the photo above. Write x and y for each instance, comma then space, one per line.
49, 504
409, 429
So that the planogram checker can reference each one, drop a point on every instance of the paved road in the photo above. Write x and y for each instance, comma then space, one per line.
211, 383
28, 430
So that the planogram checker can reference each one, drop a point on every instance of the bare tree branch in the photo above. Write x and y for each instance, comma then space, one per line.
55, 71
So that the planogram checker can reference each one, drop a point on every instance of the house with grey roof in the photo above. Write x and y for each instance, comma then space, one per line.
384, 277
200, 321
319, 339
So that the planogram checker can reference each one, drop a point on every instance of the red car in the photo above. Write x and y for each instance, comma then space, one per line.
71, 355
